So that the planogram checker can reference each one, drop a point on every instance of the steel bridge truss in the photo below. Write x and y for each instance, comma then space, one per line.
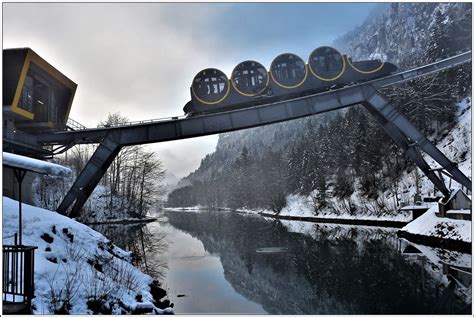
397, 126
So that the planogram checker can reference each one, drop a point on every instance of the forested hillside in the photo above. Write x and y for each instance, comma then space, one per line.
332, 156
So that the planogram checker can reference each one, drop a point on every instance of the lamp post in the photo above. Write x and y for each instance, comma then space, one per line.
20, 175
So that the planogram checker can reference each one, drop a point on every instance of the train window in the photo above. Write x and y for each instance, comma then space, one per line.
288, 70
249, 78
326, 63
210, 86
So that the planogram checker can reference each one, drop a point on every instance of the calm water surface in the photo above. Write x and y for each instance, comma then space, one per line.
213, 262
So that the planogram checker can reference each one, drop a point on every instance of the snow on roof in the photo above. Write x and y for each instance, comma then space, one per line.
455, 192
34, 165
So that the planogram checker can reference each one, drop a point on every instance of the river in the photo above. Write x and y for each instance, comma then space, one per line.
228, 263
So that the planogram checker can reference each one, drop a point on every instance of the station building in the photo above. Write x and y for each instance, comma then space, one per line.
37, 98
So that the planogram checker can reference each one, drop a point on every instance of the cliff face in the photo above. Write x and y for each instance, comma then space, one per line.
403, 29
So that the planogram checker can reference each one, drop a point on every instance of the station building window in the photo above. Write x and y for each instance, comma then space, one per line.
26, 101
41, 96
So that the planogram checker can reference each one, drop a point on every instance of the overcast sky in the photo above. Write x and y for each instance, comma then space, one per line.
140, 59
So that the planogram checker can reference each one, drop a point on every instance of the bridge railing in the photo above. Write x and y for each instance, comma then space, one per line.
139, 122
74, 125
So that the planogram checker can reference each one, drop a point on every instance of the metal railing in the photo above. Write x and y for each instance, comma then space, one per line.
113, 125
74, 125
19, 136
18, 274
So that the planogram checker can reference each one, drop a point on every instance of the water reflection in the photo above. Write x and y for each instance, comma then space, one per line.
327, 269
142, 242
227, 263
451, 268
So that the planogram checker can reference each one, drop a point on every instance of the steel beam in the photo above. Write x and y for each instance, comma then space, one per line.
410, 149
381, 104
90, 176
218, 122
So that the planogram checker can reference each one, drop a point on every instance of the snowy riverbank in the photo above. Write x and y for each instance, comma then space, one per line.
300, 206
78, 270
429, 224
395, 222
431, 230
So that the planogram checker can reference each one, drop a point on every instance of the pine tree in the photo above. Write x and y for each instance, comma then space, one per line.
440, 44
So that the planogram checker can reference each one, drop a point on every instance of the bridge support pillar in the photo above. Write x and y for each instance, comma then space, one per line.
411, 151
411, 140
91, 175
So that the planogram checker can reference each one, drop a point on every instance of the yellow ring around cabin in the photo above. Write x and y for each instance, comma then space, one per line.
365, 71
210, 103
327, 79
294, 86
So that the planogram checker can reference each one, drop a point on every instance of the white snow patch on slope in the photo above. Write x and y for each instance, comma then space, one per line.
297, 205
301, 206
457, 144
71, 255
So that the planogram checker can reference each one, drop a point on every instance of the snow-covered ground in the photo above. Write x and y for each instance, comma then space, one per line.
74, 264
300, 206
429, 224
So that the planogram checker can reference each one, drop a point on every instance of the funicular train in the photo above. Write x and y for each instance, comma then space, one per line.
289, 77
